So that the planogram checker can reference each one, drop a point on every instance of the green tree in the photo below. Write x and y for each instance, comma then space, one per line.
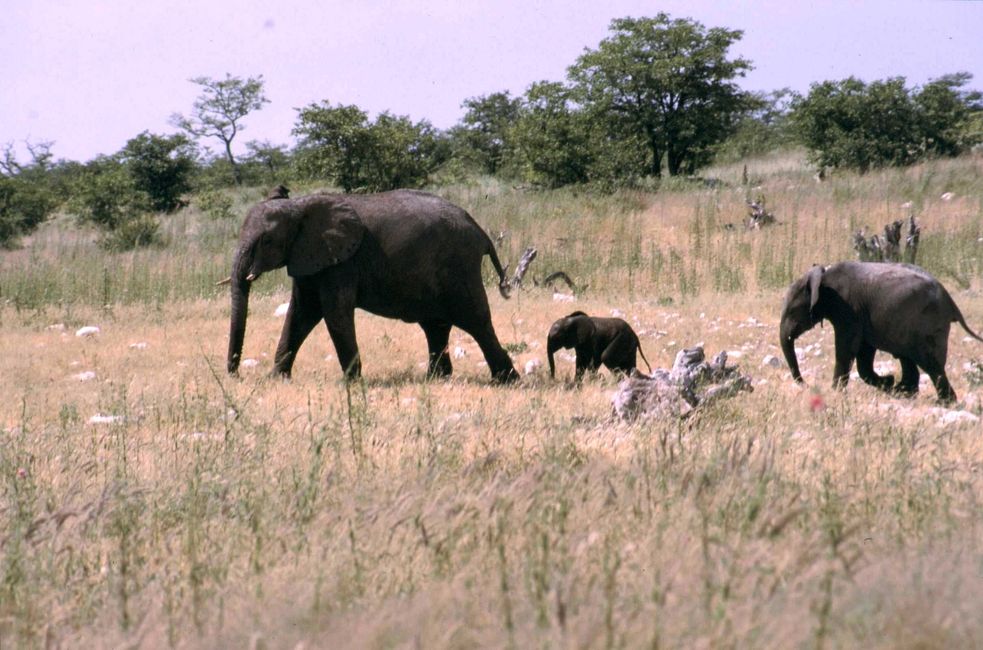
271, 159
161, 166
219, 110
341, 144
946, 114
29, 192
334, 142
482, 135
670, 82
549, 143
106, 195
764, 126
860, 126
24, 205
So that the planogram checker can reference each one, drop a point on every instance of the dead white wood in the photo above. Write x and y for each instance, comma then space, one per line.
676, 393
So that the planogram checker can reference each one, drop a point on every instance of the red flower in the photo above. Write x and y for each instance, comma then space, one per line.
816, 402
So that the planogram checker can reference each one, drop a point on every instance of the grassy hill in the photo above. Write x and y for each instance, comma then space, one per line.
152, 501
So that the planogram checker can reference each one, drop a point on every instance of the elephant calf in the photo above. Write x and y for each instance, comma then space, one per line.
897, 308
608, 341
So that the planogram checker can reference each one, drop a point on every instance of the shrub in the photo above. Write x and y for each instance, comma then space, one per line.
135, 232
215, 204
23, 206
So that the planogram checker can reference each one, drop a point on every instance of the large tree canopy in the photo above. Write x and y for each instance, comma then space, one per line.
670, 81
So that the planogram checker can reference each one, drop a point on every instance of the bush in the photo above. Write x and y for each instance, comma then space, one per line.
161, 167
106, 197
135, 232
860, 126
215, 204
23, 206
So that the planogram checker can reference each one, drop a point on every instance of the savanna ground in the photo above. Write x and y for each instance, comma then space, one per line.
161, 503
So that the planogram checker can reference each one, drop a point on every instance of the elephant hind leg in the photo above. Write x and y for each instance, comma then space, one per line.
909, 377
943, 388
479, 326
620, 354
437, 334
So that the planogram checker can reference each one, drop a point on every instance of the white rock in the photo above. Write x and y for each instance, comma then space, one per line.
817, 352
617, 313
968, 339
249, 363
141, 345
88, 375
884, 367
762, 382
281, 311
735, 354
532, 366
771, 361
57, 327
88, 330
459, 352
957, 418
906, 205
564, 297
105, 419
948, 196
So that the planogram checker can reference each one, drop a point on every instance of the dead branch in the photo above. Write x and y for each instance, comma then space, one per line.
888, 248
758, 216
520, 271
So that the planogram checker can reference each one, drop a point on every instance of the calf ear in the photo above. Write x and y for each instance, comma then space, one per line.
815, 280
330, 232
585, 329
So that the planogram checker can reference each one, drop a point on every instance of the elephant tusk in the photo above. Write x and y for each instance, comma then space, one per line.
250, 277
227, 280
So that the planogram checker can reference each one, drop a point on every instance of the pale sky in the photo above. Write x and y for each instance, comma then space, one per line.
91, 74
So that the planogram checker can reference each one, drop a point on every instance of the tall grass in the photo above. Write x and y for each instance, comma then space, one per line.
200, 510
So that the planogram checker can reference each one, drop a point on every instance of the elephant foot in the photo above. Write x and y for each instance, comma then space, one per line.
280, 373
506, 376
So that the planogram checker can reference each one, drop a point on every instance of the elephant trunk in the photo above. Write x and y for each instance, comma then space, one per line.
551, 347
239, 288
788, 349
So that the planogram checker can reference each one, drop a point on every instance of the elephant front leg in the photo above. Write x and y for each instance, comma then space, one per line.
847, 343
342, 331
865, 368
302, 315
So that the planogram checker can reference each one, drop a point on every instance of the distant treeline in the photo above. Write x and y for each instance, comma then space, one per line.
657, 97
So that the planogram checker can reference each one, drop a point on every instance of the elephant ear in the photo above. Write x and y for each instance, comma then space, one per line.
330, 232
585, 329
815, 280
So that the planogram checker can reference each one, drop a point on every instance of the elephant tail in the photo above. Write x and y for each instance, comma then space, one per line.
962, 321
647, 364
503, 284
957, 317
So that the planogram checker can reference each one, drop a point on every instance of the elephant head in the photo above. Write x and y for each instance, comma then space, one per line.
568, 332
306, 235
800, 314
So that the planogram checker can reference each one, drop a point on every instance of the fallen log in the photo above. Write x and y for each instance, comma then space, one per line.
676, 393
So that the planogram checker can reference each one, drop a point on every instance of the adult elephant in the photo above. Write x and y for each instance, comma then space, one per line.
897, 308
402, 254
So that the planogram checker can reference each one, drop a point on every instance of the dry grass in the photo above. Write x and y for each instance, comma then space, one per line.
401, 513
